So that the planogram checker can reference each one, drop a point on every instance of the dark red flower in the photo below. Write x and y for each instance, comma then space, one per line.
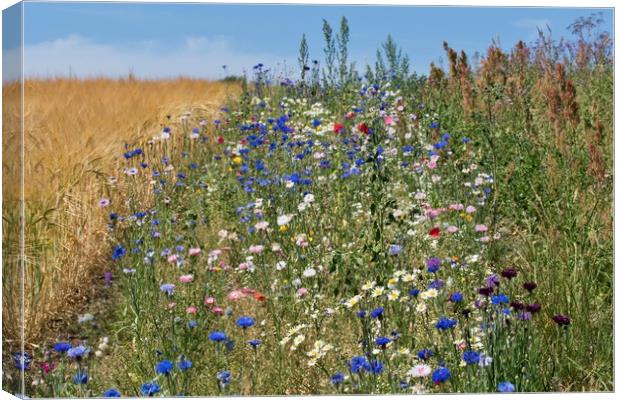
362, 128
485, 291
530, 286
533, 308
434, 232
509, 273
561, 320
220, 139
517, 305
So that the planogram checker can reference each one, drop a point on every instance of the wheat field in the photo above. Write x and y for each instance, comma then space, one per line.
74, 133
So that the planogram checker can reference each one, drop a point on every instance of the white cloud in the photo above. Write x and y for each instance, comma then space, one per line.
196, 56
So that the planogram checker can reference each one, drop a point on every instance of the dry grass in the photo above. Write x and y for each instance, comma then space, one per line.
74, 135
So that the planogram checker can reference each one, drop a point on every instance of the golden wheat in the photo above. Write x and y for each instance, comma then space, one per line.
74, 132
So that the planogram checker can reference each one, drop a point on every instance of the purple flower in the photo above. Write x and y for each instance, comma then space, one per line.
433, 264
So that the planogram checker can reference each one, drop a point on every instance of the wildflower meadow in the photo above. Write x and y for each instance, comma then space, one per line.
358, 230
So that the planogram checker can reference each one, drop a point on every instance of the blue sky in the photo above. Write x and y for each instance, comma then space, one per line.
163, 40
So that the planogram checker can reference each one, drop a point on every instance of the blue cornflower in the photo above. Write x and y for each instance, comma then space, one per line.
61, 347
358, 364
245, 322
425, 354
445, 323
440, 145
149, 388
112, 392
382, 341
119, 251
433, 264
337, 378
254, 343
184, 364
456, 297
223, 377
500, 299
506, 387
436, 284
168, 288
361, 314
414, 292
471, 357
77, 352
441, 375
80, 378
395, 249
22, 361
376, 367
217, 336
377, 312
164, 367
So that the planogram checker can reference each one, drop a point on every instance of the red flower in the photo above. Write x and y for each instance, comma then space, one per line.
220, 139
362, 128
260, 297
434, 232
338, 127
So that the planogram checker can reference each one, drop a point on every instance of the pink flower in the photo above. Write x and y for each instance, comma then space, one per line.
170, 306
243, 266
103, 203
191, 310
470, 209
194, 251
186, 278
172, 258
452, 229
235, 295
301, 292
485, 239
389, 120
431, 165
247, 290
432, 214
461, 346
456, 207
218, 310
209, 301
256, 249
481, 228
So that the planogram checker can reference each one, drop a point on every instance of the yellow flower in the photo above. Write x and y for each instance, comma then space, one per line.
237, 160
392, 283
283, 228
